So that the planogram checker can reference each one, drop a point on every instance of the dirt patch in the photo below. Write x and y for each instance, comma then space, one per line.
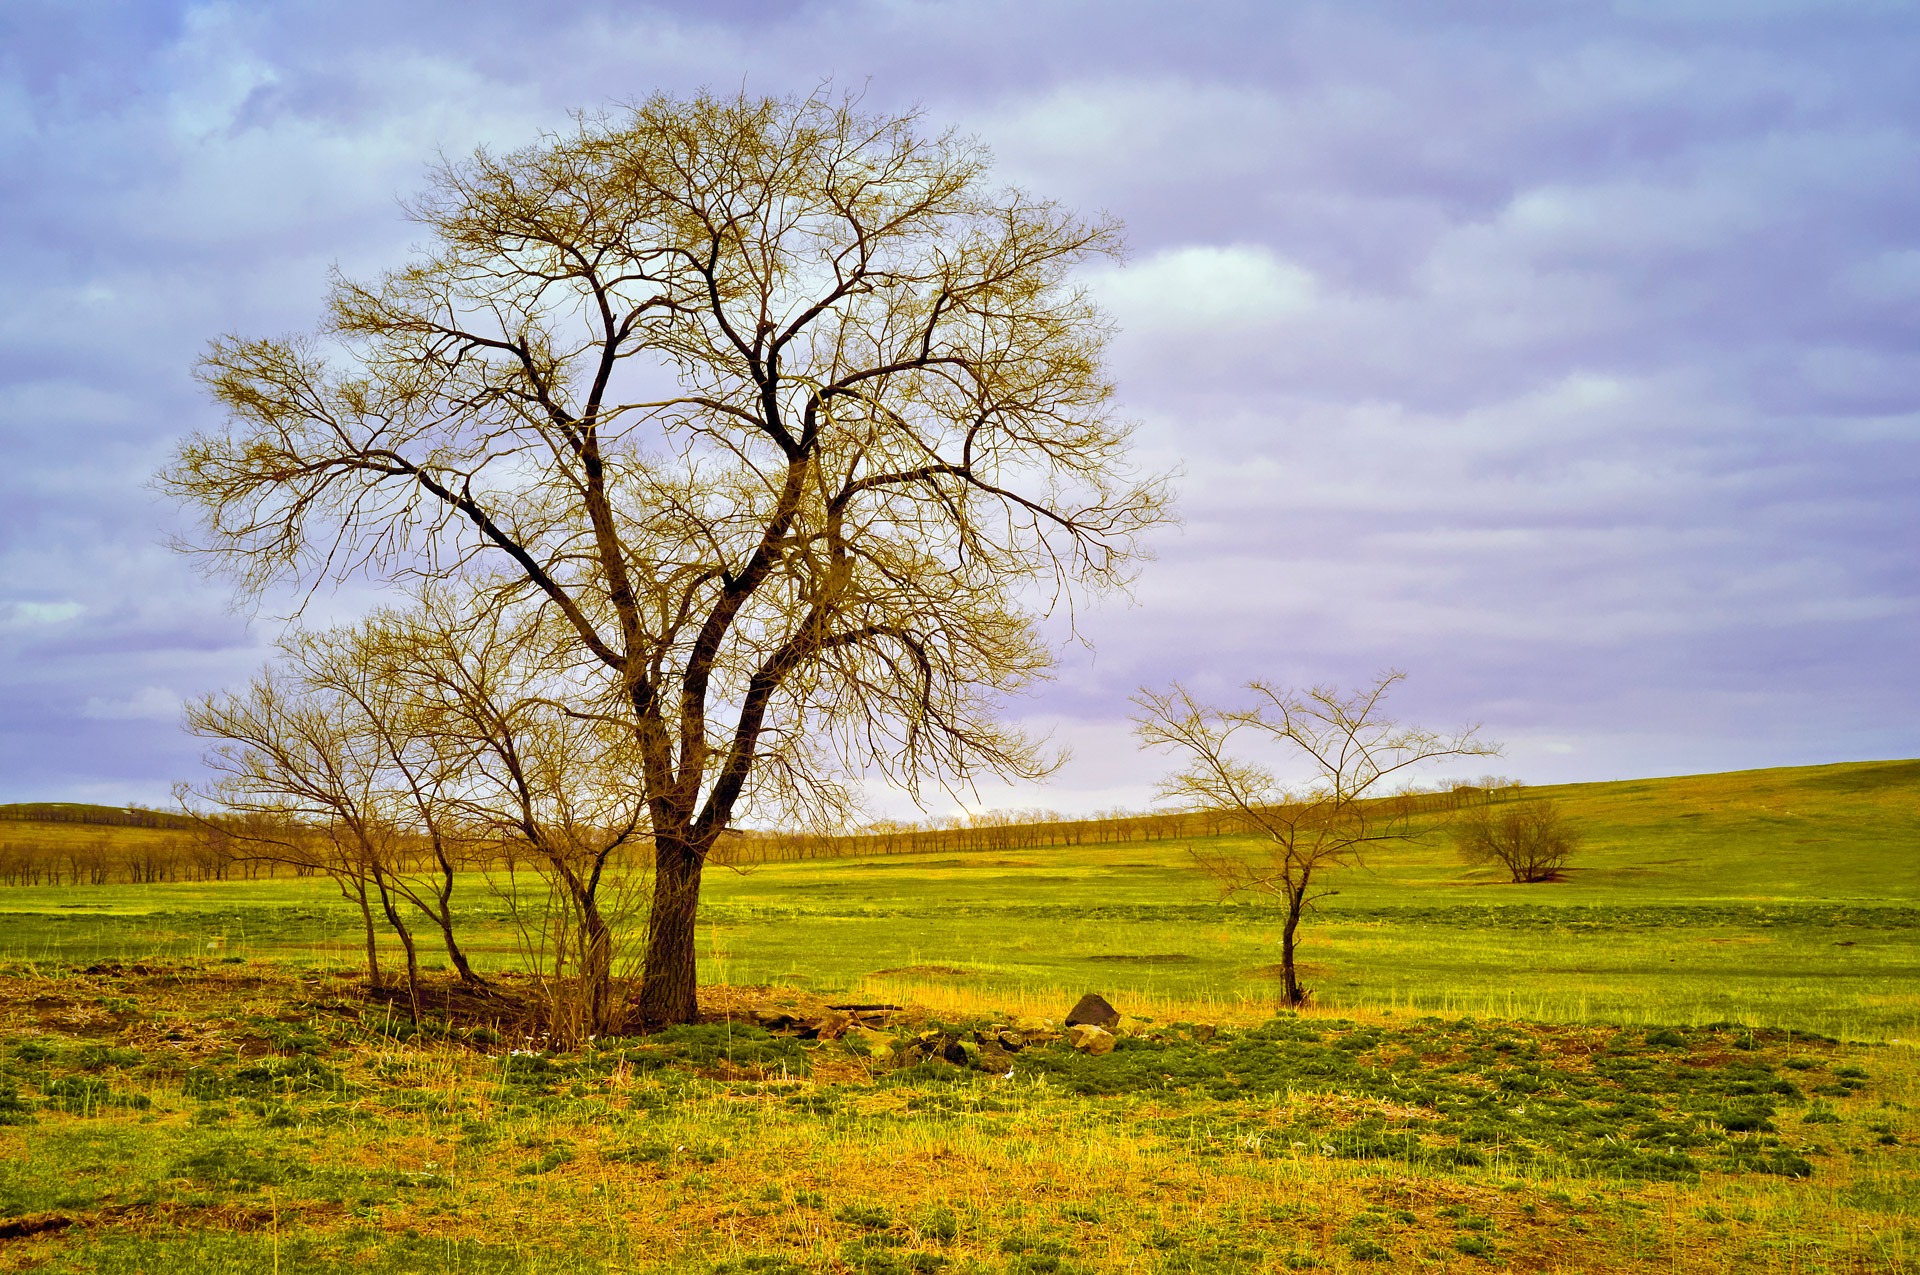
143, 1216
20, 1228
1300, 969
924, 971
1144, 958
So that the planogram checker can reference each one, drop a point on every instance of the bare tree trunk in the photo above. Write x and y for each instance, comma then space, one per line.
1296, 900
406, 944
359, 895
596, 963
443, 917
669, 986
458, 956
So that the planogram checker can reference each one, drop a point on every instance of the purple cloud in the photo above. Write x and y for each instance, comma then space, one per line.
1568, 357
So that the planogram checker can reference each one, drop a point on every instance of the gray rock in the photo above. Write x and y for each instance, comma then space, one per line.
1093, 1010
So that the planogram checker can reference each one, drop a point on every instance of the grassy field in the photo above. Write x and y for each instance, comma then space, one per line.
251, 1117
1785, 898
1694, 1055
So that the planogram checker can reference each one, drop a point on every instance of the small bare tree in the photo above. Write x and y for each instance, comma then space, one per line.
410, 767
1353, 755
1530, 839
539, 786
398, 752
299, 781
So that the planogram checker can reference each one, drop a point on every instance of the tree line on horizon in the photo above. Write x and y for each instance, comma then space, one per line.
211, 847
995, 831
128, 816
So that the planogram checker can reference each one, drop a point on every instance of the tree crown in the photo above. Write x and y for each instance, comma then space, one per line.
773, 412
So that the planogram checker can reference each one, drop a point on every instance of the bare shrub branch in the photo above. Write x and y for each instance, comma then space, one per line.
1530, 839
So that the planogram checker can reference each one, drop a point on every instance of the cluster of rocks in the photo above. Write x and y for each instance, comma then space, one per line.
990, 1048
813, 1020
1092, 1026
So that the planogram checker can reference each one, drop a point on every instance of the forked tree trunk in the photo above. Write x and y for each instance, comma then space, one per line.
670, 982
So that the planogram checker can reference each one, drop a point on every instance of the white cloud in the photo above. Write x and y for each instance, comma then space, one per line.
149, 703
1203, 293
25, 614
1887, 276
1165, 128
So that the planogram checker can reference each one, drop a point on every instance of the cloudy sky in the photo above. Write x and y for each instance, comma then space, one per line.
1566, 355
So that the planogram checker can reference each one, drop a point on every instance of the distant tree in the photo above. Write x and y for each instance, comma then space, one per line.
782, 412
1530, 839
1353, 755
90, 858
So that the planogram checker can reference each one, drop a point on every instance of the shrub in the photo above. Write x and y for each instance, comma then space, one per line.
1530, 839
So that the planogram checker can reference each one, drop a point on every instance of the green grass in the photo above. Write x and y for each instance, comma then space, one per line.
258, 1118
1682, 1059
1783, 898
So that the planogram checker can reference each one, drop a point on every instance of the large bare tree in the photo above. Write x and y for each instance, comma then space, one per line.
786, 414
1349, 755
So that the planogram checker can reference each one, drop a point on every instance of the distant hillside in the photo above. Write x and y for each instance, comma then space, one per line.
1748, 830
81, 812
1746, 801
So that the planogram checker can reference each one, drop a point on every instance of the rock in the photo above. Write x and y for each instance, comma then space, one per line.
879, 1044
829, 1024
1202, 1032
1093, 1010
797, 1013
1089, 1039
